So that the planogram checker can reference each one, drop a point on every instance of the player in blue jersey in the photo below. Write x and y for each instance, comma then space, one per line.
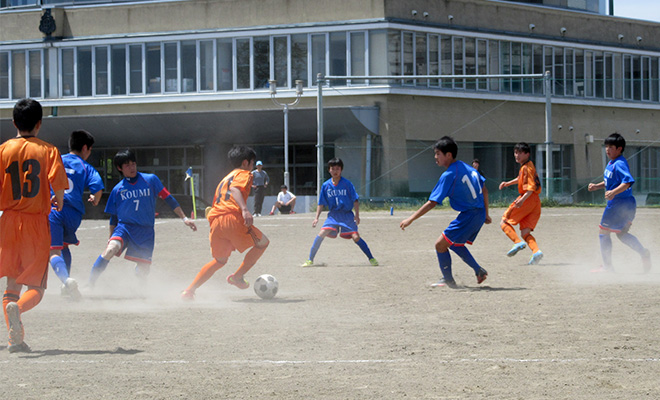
132, 209
339, 195
63, 224
467, 194
621, 205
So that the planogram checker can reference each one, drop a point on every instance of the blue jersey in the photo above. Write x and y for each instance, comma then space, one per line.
81, 176
135, 203
616, 173
339, 198
463, 185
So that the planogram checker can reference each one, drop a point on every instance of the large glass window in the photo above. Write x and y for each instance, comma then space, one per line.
281, 60
101, 69
136, 68
608, 76
393, 53
18, 74
118, 68
206, 70
537, 56
646, 67
299, 59
459, 61
407, 56
421, 61
637, 77
379, 52
338, 61
655, 82
153, 68
318, 55
261, 61
569, 85
243, 55
84, 71
225, 68
505, 62
589, 73
68, 72
599, 74
188, 66
627, 77
527, 67
171, 67
358, 52
618, 76
4, 75
35, 72
516, 66
494, 64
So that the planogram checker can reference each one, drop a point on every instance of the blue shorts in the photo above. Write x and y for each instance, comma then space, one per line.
137, 240
342, 223
618, 214
63, 227
465, 227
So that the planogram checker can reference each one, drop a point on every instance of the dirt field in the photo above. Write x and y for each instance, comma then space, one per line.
347, 330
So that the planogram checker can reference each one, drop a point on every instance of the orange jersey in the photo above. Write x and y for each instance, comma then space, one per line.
223, 200
528, 179
29, 167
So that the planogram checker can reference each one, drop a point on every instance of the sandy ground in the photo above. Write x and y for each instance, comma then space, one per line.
347, 330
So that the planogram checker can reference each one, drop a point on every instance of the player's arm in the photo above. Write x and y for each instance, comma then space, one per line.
319, 210
293, 197
596, 186
114, 220
520, 200
95, 198
609, 195
58, 201
485, 193
508, 183
238, 197
174, 205
356, 206
428, 206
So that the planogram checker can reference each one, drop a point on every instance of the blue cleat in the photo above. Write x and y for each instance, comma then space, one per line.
444, 282
516, 248
536, 258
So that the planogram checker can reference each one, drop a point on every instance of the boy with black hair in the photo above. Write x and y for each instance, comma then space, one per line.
286, 201
467, 194
231, 224
339, 195
621, 205
63, 224
132, 209
29, 169
526, 209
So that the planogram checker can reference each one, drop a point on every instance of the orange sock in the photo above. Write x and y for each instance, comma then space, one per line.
531, 242
250, 259
204, 274
7, 298
510, 232
30, 299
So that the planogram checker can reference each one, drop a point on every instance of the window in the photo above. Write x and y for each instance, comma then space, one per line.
516, 66
379, 51
318, 55
118, 68
358, 53
35, 72
494, 64
407, 56
646, 78
527, 67
4, 75
281, 60
654, 83
299, 59
84, 71
206, 69
618, 76
152, 61
505, 62
458, 62
188, 66
101, 69
434, 59
599, 74
136, 68
225, 68
421, 61
637, 77
18, 74
68, 72
589, 73
171, 67
569, 85
537, 68
243, 67
338, 60
609, 76
627, 77
482, 63
261, 65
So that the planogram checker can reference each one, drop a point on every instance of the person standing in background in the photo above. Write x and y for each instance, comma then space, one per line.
259, 184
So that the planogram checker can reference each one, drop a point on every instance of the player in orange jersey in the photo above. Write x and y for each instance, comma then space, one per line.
526, 209
29, 168
231, 224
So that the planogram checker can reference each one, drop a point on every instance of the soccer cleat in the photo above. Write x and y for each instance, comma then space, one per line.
187, 295
271, 213
443, 282
373, 262
70, 288
307, 263
516, 248
482, 275
602, 269
19, 348
646, 261
14, 324
536, 258
241, 284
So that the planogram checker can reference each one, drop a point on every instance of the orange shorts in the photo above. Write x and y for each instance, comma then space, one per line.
527, 215
228, 233
24, 247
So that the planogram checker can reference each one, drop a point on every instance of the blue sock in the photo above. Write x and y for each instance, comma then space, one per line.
364, 248
315, 247
59, 266
632, 242
97, 269
606, 249
66, 255
444, 259
466, 256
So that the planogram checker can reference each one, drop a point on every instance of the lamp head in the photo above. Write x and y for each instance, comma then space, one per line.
299, 87
272, 85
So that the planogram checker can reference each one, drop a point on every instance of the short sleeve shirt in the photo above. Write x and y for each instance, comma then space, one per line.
528, 179
463, 185
81, 176
223, 200
135, 203
340, 197
616, 173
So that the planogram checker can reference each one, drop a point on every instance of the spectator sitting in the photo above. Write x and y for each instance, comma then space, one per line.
286, 202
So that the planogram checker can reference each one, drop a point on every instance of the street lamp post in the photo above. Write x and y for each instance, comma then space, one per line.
273, 91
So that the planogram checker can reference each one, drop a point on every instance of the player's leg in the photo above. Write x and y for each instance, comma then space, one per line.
631, 241
59, 265
57, 222
202, 276
442, 246
605, 248
261, 242
364, 247
512, 217
113, 248
323, 233
66, 256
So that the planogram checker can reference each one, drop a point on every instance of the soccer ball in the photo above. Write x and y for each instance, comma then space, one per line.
266, 286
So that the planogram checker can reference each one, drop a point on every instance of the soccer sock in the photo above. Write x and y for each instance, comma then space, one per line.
531, 243
510, 232
315, 247
7, 298
365, 249
606, 249
204, 274
97, 269
59, 266
29, 299
466, 256
632, 242
444, 259
250, 259
66, 256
